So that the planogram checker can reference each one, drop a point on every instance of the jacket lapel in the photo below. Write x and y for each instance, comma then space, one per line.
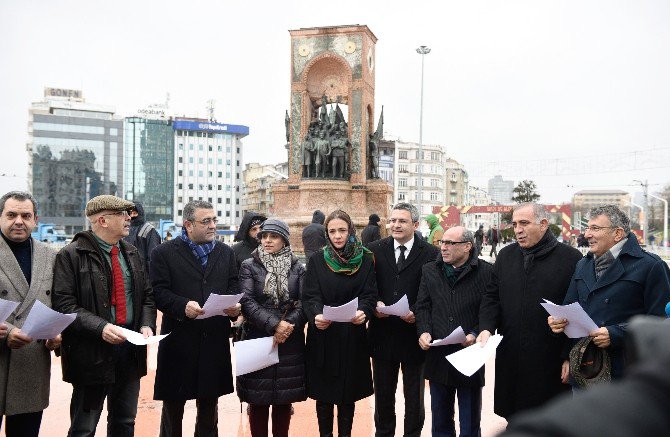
588, 274
211, 260
10, 266
612, 274
417, 248
389, 252
186, 253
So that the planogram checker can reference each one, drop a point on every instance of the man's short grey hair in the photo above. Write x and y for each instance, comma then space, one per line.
190, 207
539, 211
617, 217
409, 207
20, 196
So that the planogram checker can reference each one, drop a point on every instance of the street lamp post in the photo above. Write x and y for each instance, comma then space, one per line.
665, 219
423, 51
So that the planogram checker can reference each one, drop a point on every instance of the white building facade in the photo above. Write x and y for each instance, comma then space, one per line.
208, 166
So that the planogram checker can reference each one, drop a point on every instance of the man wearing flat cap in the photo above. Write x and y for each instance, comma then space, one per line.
100, 278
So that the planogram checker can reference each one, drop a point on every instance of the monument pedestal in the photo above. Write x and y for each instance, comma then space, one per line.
295, 203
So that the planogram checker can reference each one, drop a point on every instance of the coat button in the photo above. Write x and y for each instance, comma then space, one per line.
204, 281
48, 292
17, 318
607, 300
204, 335
105, 305
4, 292
451, 319
395, 293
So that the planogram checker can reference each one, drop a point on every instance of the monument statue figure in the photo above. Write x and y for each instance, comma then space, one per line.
373, 148
338, 148
322, 146
307, 153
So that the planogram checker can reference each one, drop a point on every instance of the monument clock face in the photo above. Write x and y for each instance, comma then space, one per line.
303, 50
350, 47
371, 60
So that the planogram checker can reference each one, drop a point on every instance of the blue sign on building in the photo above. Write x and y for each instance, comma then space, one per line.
208, 126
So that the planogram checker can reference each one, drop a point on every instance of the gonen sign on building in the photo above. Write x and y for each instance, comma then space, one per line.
62, 92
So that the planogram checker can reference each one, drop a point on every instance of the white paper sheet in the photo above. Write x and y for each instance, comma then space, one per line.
472, 358
400, 308
579, 323
343, 313
6, 308
138, 339
256, 354
43, 323
457, 336
216, 303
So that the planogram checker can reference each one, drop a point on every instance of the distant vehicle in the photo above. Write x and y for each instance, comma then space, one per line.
49, 233
168, 230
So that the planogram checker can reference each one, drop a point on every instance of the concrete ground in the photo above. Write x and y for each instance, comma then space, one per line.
232, 422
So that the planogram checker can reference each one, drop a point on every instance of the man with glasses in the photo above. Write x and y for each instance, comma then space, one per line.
194, 360
398, 263
536, 267
101, 278
449, 297
615, 281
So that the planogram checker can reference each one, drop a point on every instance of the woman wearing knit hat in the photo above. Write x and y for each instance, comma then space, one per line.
338, 360
271, 281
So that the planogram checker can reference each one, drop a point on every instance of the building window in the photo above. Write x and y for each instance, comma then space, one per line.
237, 201
181, 146
200, 148
210, 174
181, 159
209, 160
190, 147
403, 168
190, 199
210, 148
200, 174
190, 160
237, 214
433, 196
227, 201
220, 174
190, 186
227, 213
401, 196
209, 187
435, 156
402, 182
434, 183
179, 199
209, 199
113, 131
218, 213
200, 160
190, 173
179, 212
402, 154
219, 187
219, 200
181, 173
220, 161
180, 186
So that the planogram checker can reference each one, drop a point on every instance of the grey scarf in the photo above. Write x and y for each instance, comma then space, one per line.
543, 247
276, 281
603, 262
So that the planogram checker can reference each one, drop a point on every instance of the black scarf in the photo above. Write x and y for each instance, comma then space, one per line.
539, 251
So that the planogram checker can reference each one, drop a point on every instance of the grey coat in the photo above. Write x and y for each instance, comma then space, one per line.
26, 372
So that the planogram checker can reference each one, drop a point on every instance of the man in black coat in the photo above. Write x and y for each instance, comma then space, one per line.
101, 279
194, 360
536, 267
142, 235
393, 340
246, 241
314, 234
449, 297
371, 232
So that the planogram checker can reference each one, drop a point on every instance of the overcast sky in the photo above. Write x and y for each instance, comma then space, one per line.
513, 81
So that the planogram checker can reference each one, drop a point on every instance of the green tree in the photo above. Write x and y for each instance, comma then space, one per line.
525, 192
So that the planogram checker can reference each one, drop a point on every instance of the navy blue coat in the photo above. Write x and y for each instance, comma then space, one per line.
637, 282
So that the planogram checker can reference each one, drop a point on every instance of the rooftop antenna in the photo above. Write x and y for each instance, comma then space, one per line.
210, 109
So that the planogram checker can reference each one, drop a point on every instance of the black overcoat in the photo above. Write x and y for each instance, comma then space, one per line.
528, 360
194, 360
441, 308
284, 382
391, 338
337, 358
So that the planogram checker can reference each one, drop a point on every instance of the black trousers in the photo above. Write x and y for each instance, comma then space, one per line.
206, 421
345, 419
385, 378
258, 420
23, 425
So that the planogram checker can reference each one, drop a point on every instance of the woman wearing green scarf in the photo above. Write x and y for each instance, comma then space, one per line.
436, 230
337, 355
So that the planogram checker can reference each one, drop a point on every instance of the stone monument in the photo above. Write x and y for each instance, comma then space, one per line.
332, 154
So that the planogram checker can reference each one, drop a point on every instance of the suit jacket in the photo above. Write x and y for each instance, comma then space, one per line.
25, 373
194, 361
391, 338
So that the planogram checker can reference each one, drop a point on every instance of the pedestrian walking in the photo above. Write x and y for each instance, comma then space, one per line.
247, 236
493, 237
479, 239
142, 235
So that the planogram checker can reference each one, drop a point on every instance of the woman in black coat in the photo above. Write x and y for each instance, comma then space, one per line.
271, 281
338, 360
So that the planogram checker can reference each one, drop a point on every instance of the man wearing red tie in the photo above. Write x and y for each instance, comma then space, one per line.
101, 278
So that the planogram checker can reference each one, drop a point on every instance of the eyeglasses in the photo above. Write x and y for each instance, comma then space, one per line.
595, 228
121, 213
451, 243
207, 221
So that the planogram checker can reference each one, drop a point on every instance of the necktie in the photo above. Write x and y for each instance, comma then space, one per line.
118, 289
401, 258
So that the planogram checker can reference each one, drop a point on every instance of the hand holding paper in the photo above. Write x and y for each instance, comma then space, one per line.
256, 354
6, 308
457, 336
472, 358
44, 323
579, 323
342, 313
217, 303
400, 308
138, 338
